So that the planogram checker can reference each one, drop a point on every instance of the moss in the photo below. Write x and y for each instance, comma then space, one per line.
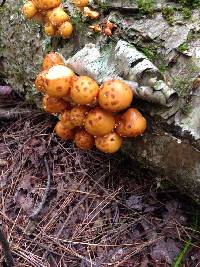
183, 47
183, 83
190, 3
186, 12
146, 6
168, 13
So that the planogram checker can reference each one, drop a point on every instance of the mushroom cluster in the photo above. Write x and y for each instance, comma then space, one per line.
50, 13
88, 12
89, 114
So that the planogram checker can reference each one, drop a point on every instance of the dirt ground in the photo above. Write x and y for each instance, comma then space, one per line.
60, 206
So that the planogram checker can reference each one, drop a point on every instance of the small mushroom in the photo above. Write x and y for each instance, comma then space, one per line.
91, 13
46, 4
95, 28
51, 60
29, 10
59, 81
109, 143
78, 114
84, 90
54, 105
131, 123
80, 3
64, 132
99, 122
66, 121
84, 140
49, 29
65, 30
58, 16
40, 81
115, 95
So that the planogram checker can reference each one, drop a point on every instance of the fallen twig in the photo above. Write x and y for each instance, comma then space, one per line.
6, 249
41, 205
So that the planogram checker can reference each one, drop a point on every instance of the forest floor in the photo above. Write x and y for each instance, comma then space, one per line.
60, 206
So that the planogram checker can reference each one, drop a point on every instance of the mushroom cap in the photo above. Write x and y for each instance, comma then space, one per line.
59, 81
84, 140
46, 4
65, 119
51, 60
40, 81
115, 95
29, 10
65, 30
49, 29
99, 122
131, 123
80, 3
54, 105
58, 16
84, 90
109, 143
78, 114
64, 132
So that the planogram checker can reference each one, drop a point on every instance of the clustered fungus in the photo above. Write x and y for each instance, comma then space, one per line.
55, 19
90, 114
50, 13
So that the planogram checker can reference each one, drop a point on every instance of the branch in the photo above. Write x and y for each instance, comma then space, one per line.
40, 207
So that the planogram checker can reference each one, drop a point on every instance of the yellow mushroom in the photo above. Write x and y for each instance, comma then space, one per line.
59, 81
84, 140
131, 123
109, 143
29, 10
84, 90
99, 122
65, 30
64, 132
115, 95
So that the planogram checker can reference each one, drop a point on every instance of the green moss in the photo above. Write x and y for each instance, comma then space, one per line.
186, 12
190, 3
168, 13
183, 47
146, 6
183, 83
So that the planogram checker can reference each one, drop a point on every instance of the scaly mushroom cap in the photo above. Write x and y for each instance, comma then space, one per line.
46, 4
131, 123
65, 30
109, 143
51, 60
99, 122
84, 140
64, 132
41, 81
59, 81
81, 3
58, 16
49, 29
54, 105
29, 10
84, 90
78, 114
115, 95
65, 119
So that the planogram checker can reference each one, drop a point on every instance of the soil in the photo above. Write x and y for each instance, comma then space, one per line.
99, 210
